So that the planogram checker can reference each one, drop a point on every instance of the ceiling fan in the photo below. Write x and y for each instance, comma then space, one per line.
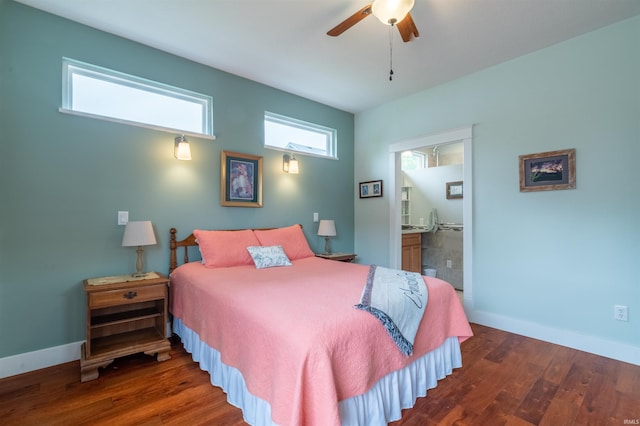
389, 12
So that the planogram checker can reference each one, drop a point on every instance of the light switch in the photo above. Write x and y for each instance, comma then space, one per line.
123, 218
315, 217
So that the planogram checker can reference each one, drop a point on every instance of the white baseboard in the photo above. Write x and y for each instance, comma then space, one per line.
595, 345
31, 361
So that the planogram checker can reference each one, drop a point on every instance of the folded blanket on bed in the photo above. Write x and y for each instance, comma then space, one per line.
398, 299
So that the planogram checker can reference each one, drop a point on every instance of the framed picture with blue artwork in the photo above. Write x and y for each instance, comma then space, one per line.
372, 188
240, 180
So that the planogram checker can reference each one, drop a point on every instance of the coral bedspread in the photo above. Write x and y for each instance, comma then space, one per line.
294, 335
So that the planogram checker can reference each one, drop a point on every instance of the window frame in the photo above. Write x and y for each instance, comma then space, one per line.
71, 67
331, 135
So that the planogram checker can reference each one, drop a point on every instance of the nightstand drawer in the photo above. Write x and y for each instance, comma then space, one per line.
128, 295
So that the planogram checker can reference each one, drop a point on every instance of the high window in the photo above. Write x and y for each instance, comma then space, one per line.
111, 95
290, 134
413, 160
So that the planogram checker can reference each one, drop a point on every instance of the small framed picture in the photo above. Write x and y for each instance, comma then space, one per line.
454, 190
548, 171
240, 180
372, 188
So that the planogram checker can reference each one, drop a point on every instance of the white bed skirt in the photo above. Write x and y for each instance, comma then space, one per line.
382, 404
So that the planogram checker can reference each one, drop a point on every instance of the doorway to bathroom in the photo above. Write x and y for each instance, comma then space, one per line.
432, 190
445, 201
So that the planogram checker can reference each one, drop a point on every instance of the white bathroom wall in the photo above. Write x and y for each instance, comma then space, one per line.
429, 191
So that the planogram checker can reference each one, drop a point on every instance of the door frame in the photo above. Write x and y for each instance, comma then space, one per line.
461, 134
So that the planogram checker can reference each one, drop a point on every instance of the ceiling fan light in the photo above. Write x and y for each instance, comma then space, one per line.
390, 12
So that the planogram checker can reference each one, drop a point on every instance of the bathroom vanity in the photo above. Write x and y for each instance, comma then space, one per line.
412, 250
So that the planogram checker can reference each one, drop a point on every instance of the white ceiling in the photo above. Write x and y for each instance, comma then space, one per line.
283, 43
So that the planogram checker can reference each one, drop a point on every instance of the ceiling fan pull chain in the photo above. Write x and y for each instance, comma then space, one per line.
391, 52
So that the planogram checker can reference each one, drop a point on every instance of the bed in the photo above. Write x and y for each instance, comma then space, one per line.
276, 329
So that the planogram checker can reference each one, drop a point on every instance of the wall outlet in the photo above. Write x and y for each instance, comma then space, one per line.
620, 312
449, 263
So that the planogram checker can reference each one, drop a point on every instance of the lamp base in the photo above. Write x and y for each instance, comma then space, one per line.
326, 246
139, 264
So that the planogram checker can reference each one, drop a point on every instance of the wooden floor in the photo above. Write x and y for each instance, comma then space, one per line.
506, 380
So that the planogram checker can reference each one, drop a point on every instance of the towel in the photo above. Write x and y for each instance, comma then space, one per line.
398, 299
432, 221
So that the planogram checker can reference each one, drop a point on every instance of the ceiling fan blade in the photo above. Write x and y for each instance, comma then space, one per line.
408, 28
350, 21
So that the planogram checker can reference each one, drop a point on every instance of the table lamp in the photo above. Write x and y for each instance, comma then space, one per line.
326, 229
138, 234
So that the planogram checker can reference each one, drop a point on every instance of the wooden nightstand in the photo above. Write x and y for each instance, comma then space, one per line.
125, 315
342, 257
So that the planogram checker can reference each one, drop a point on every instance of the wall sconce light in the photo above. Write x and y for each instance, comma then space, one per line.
290, 164
181, 150
326, 229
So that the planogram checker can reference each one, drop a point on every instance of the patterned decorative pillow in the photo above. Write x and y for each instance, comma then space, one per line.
269, 256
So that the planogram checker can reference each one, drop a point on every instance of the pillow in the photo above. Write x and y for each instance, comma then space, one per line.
268, 257
220, 249
290, 238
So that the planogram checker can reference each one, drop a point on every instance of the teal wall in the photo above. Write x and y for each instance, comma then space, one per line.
559, 260
63, 178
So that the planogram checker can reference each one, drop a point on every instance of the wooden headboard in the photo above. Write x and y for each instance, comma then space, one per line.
190, 241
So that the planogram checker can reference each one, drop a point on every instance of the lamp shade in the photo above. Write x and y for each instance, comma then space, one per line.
290, 164
182, 150
327, 228
138, 233
390, 12
293, 166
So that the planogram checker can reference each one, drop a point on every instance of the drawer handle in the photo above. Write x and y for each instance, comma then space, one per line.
130, 295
